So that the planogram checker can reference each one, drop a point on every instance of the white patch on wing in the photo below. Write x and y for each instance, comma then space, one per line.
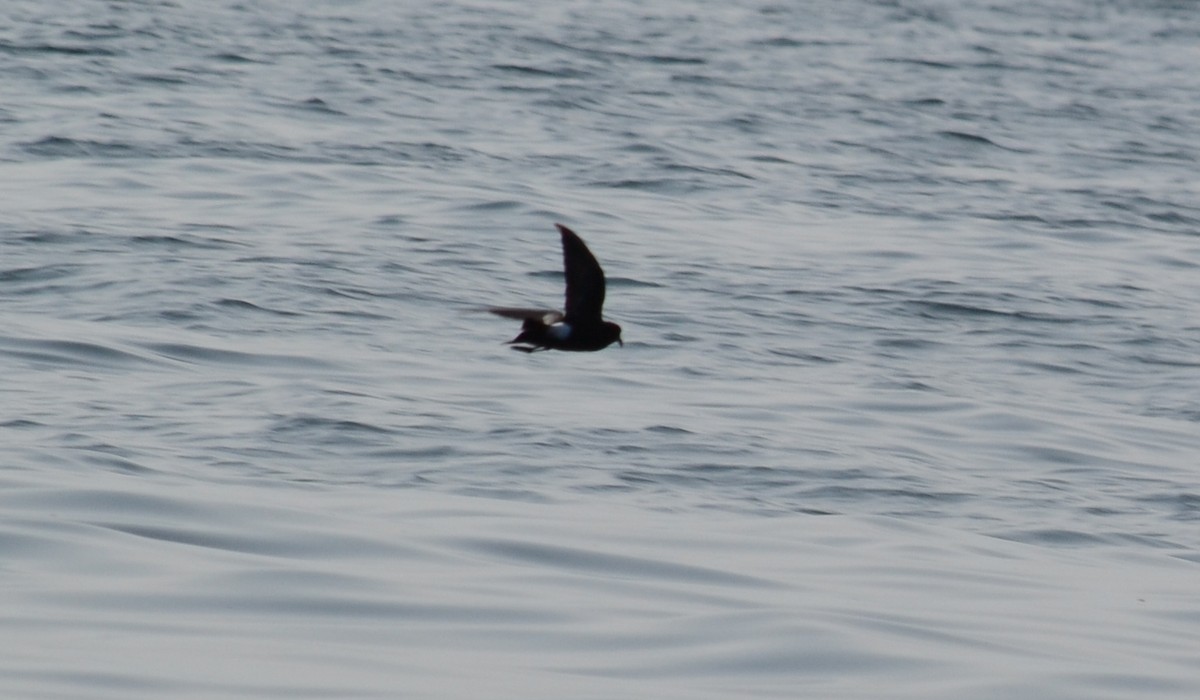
559, 331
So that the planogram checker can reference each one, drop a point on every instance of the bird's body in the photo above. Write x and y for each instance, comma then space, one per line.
581, 327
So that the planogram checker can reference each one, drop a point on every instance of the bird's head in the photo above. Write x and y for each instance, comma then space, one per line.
613, 331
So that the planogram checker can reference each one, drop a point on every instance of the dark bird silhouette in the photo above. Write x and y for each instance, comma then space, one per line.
581, 327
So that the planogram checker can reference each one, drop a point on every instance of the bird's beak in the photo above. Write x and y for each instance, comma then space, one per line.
620, 342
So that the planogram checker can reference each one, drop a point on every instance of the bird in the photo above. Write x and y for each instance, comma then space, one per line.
580, 327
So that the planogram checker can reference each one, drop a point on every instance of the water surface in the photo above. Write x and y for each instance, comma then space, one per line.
907, 406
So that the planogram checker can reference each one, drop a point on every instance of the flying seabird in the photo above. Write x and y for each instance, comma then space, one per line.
580, 327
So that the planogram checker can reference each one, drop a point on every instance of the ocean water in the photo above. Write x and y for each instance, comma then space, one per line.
909, 403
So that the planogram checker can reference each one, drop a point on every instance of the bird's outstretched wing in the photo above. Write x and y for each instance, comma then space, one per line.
546, 316
585, 279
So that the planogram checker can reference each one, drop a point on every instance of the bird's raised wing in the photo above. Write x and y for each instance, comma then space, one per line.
585, 279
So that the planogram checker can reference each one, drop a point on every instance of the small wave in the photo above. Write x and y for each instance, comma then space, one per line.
241, 304
559, 72
185, 352
1055, 537
559, 557
62, 49
328, 430
73, 353
921, 62
968, 138
41, 273
183, 241
64, 147
316, 104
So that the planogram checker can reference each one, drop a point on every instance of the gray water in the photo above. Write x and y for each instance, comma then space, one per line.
909, 404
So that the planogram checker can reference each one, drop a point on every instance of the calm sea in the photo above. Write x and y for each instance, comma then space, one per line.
909, 403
